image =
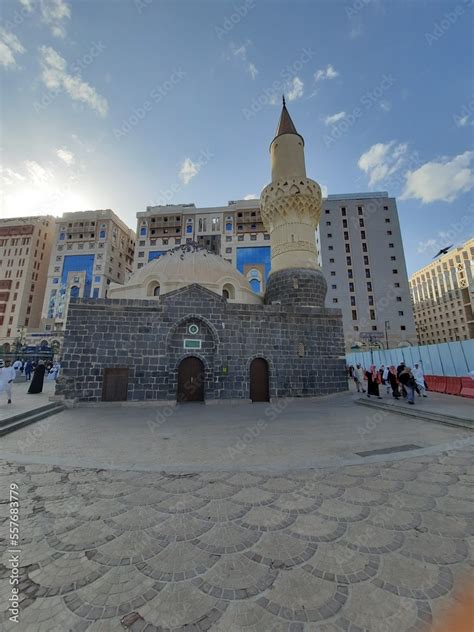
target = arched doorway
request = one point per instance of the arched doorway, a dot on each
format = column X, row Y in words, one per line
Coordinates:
column 190, row 380
column 259, row 380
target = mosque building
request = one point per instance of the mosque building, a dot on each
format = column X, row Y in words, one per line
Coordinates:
column 188, row 326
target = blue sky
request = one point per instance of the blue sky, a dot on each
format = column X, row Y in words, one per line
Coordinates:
column 128, row 103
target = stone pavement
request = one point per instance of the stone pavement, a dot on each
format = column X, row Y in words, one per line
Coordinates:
column 22, row 402
column 382, row 547
column 286, row 434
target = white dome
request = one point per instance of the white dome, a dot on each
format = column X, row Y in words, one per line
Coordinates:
column 183, row 266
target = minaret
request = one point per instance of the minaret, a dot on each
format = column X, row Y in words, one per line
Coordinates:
column 291, row 207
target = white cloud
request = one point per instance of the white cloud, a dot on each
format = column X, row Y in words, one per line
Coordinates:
column 55, row 76
column 326, row 73
column 429, row 244
column 324, row 190
column 188, row 170
column 296, row 89
column 443, row 181
column 241, row 53
column 55, row 13
column 334, row 118
column 356, row 31
column 65, row 155
column 250, row 196
column 382, row 160
column 9, row 176
column 385, row 105
column 27, row 4
column 10, row 45
column 252, row 69
column 463, row 121
column 37, row 174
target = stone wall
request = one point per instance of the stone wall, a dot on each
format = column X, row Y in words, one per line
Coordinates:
column 303, row 346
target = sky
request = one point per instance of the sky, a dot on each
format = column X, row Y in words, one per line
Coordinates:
column 125, row 104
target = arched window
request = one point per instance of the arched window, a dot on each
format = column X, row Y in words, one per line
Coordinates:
column 74, row 291
column 256, row 285
column 228, row 291
column 153, row 289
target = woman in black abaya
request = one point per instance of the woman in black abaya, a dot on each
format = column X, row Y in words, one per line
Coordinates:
column 36, row 385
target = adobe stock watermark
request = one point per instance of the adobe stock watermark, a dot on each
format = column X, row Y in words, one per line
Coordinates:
column 367, row 101
column 155, row 96
column 238, row 14
column 142, row 5
column 448, row 20
column 268, row 95
column 79, row 64
column 356, row 7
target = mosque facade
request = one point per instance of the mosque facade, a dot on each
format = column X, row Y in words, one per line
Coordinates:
column 188, row 326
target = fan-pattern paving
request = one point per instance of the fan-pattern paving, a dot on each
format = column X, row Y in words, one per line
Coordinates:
column 359, row 549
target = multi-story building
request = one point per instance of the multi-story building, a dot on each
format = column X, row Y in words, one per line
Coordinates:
column 90, row 250
column 25, row 249
column 361, row 253
column 236, row 232
column 443, row 296
column 360, row 250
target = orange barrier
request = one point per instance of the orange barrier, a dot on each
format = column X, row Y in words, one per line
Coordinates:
column 439, row 384
column 453, row 385
column 430, row 381
column 467, row 387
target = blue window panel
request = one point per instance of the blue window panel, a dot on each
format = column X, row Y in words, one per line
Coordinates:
column 97, row 279
column 255, row 285
column 62, row 236
column 189, row 228
column 228, row 226
column 55, row 280
column 79, row 263
column 154, row 254
column 102, row 234
column 95, row 293
column 74, row 291
column 143, row 231
column 254, row 256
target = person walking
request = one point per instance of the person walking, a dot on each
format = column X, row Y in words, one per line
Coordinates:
column 400, row 368
column 385, row 379
column 7, row 375
column 373, row 382
column 36, row 385
column 358, row 376
column 408, row 381
column 28, row 370
column 392, row 380
column 419, row 379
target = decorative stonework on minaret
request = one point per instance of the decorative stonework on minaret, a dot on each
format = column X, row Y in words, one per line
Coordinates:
column 291, row 208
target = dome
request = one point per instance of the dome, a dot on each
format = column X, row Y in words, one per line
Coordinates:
column 183, row 266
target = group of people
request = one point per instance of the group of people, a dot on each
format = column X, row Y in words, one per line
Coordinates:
column 401, row 381
column 34, row 372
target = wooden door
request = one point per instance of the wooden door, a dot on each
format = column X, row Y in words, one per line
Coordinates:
column 191, row 380
column 115, row 385
column 259, row 381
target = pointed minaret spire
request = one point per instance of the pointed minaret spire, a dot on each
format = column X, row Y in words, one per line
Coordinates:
column 285, row 124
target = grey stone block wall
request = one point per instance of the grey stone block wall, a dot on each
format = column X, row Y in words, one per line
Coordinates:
column 297, row 286
column 303, row 346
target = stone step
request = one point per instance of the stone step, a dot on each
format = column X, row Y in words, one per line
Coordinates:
column 414, row 411
column 31, row 416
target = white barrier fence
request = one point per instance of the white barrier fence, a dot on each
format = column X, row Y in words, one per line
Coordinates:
column 454, row 359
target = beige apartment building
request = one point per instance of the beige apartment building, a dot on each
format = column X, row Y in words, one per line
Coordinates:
column 443, row 296
column 25, row 250
column 360, row 250
column 90, row 250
